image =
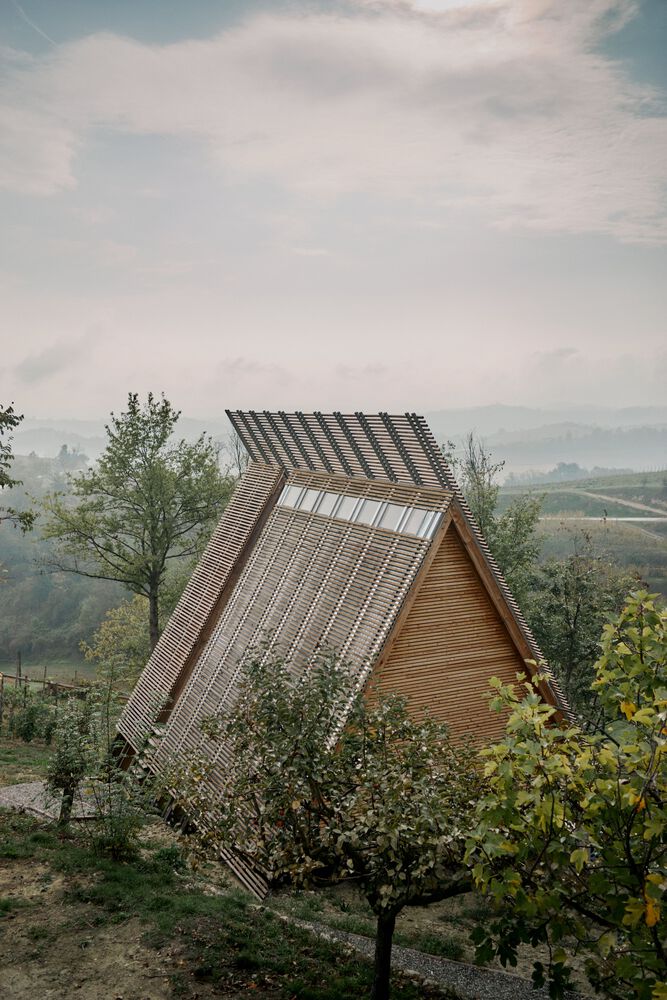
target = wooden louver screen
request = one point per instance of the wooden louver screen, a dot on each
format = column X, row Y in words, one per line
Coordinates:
column 310, row 583
column 400, row 449
column 162, row 672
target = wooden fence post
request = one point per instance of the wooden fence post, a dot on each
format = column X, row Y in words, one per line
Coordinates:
column 2, row 699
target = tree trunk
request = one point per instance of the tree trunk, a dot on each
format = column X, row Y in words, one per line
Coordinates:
column 383, row 939
column 153, row 619
column 66, row 805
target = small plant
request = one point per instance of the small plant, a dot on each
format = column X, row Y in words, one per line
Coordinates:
column 122, row 798
column 74, row 755
column 119, row 801
column 30, row 716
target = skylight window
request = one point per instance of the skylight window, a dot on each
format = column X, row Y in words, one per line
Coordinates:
column 401, row 518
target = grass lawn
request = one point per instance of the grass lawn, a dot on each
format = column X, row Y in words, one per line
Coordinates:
column 148, row 928
column 441, row 929
column 21, row 761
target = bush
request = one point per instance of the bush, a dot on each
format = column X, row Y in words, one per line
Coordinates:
column 30, row 716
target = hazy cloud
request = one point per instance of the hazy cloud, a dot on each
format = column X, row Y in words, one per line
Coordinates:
column 508, row 107
column 310, row 251
column 348, row 373
column 53, row 360
column 545, row 360
column 242, row 370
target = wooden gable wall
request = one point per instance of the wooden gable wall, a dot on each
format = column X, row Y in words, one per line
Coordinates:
column 447, row 646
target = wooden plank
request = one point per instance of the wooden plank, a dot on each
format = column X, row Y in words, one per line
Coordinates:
column 436, row 659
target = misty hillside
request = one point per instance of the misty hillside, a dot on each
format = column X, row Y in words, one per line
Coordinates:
column 632, row 438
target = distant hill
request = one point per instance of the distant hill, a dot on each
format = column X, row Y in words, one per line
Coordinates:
column 623, row 448
column 499, row 418
column 46, row 437
column 632, row 438
column 526, row 438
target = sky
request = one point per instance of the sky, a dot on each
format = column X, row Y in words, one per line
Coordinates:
column 364, row 204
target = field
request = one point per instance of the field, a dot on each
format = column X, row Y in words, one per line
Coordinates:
column 152, row 928
column 65, row 671
column 149, row 928
column 625, row 516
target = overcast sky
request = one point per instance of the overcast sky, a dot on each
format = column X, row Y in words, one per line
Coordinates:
column 398, row 204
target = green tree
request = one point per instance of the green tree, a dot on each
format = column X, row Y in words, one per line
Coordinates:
column 385, row 803
column 147, row 501
column 9, row 420
column 570, row 602
column 572, row 835
column 510, row 535
column 120, row 646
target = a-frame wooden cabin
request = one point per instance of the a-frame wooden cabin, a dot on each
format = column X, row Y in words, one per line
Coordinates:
column 345, row 532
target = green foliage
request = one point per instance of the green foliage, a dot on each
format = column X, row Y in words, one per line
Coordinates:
column 35, row 718
column 74, row 754
column 28, row 715
column 84, row 765
column 45, row 613
column 511, row 535
column 122, row 798
column 120, row 647
column 515, row 545
column 148, row 501
column 570, row 602
column 385, row 802
column 572, row 836
column 9, row 419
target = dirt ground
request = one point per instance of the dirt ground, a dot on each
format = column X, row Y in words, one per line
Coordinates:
column 47, row 950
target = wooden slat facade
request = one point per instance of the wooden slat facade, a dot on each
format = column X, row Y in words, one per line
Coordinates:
column 311, row 582
column 257, row 490
column 398, row 448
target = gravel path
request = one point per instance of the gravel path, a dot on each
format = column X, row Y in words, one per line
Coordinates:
column 470, row 982
column 33, row 797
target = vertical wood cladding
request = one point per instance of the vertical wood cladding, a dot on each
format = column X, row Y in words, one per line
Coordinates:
column 451, row 642
column 254, row 494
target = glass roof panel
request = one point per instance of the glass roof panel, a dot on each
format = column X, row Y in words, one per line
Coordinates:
column 289, row 496
column 368, row 511
column 414, row 521
column 346, row 508
column 309, row 499
column 391, row 516
column 327, row 503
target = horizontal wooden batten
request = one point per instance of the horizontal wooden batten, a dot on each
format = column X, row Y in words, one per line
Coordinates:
column 163, row 672
column 450, row 642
